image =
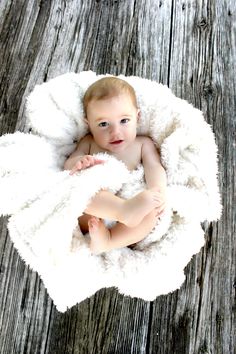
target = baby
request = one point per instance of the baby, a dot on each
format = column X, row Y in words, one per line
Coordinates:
column 112, row 115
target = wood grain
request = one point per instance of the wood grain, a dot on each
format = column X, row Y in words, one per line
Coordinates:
column 188, row 45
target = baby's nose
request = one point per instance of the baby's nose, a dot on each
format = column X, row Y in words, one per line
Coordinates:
column 114, row 130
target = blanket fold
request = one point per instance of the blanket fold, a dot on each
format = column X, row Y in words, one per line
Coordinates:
column 54, row 198
column 44, row 201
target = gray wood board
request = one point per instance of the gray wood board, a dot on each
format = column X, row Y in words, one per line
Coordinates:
column 189, row 46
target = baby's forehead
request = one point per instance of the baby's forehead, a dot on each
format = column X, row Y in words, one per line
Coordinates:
column 113, row 99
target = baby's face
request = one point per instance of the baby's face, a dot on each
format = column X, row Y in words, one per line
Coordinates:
column 113, row 122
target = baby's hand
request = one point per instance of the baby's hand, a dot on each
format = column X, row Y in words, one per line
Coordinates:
column 85, row 162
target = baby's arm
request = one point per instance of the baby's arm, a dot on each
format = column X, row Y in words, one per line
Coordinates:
column 155, row 174
column 80, row 158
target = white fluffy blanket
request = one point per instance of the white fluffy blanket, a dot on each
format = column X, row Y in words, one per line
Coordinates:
column 44, row 201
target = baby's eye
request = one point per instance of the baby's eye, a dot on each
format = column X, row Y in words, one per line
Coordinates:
column 124, row 120
column 103, row 124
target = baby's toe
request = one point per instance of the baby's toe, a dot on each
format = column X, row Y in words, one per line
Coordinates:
column 93, row 222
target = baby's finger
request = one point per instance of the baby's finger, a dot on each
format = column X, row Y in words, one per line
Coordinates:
column 93, row 161
column 98, row 161
column 163, row 210
column 158, row 201
column 86, row 162
column 158, row 196
column 73, row 171
column 161, row 213
column 90, row 161
column 76, row 168
column 160, row 209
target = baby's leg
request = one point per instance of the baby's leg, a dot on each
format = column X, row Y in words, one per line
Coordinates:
column 106, row 205
column 83, row 222
column 103, row 239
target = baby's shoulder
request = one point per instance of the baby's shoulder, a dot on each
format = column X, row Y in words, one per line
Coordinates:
column 87, row 139
column 84, row 145
column 144, row 140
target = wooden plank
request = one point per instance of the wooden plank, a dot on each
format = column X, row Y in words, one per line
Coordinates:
column 63, row 37
column 190, row 46
column 200, row 318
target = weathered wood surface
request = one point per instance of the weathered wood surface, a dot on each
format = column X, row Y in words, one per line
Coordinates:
column 188, row 45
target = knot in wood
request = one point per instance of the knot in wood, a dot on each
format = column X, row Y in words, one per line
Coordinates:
column 208, row 91
column 203, row 24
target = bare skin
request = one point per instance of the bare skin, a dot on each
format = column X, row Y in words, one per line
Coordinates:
column 129, row 212
column 115, row 133
column 104, row 239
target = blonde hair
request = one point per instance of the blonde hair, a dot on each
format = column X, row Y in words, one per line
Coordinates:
column 108, row 87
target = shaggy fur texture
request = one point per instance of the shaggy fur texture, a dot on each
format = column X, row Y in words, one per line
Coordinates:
column 44, row 202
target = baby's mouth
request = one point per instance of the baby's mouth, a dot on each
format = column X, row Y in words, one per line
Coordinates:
column 116, row 142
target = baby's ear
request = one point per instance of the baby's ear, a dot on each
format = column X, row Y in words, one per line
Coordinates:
column 138, row 114
column 85, row 120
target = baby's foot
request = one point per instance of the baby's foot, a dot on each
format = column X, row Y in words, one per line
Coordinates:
column 99, row 234
column 136, row 208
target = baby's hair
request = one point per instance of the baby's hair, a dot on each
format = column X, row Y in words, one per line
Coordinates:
column 108, row 87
